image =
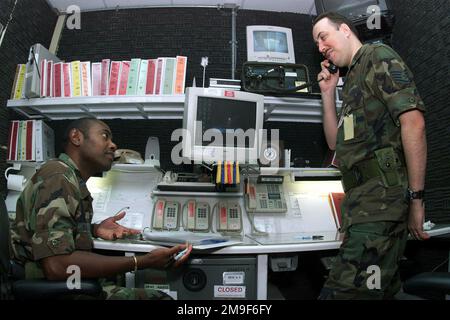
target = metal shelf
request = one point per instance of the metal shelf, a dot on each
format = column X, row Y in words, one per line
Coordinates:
column 289, row 109
column 303, row 172
column 102, row 107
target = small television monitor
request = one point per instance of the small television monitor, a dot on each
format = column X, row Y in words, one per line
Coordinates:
column 222, row 125
column 270, row 44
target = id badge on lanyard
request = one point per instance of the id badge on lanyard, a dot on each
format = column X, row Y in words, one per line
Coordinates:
column 347, row 120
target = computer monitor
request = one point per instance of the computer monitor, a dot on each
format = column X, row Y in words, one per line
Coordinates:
column 222, row 125
column 270, row 44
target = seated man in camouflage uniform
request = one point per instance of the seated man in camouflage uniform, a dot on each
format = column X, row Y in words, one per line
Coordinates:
column 380, row 142
column 53, row 229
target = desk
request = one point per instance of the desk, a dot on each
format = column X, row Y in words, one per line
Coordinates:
column 259, row 246
column 256, row 246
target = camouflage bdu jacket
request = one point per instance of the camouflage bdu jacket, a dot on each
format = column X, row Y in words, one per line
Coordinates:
column 53, row 215
column 379, row 87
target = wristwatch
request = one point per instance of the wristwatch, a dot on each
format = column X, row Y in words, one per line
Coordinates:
column 419, row 194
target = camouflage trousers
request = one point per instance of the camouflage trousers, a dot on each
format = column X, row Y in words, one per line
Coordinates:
column 111, row 291
column 114, row 292
column 367, row 247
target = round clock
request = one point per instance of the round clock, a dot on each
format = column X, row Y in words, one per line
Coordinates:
column 270, row 154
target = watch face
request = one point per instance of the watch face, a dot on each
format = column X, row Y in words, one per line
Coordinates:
column 415, row 194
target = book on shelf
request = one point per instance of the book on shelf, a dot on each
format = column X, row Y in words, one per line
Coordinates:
column 96, row 78
column 17, row 91
column 113, row 88
column 105, row 77
column 30, row 140
column 43, row 75
column 76, row 78
column 22, row 140
column 16, row 76
column 48, row 78
column 45, row 141
column 67, row 80
column 57, row 79
column 123, row 81
column 180, row 76
column 133, row 76
column 30, row 145
column 86, row 78
column 336, row 199
column 151, row 76
column 158, row 76
column 168, row 76
column 142, row 79
column 12, row 140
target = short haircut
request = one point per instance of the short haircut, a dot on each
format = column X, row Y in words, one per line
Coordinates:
column 82, row 124
column 337, row 19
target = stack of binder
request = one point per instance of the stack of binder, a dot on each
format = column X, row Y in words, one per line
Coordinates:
column 30, row 140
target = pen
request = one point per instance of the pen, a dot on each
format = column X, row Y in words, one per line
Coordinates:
column 175, row 258
column 180, row 254
column 124, row 208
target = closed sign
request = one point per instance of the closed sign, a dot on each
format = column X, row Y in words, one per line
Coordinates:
column 229, row 291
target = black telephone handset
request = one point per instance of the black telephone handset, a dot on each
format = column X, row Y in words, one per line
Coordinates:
column 332, row 68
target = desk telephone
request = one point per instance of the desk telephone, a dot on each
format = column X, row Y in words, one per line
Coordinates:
column 128, row 156
column 165, row 215
column 265, row 198
column 198, row 214
column 229, row 216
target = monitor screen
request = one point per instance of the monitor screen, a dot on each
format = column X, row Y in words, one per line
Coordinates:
column 225, row 115
column 270, row 44
column 270, row 41
column 222, row 125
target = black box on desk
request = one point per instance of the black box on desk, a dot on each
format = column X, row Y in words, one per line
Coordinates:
column 274, row 78
column 230, row 84
column 206, row 277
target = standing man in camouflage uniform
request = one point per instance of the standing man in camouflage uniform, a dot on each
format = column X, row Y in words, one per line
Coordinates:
column 380, row 142
column 53, row 229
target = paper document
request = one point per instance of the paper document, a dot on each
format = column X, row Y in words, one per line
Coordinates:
column 133, row 220
column 198, row 240
column 316, row 214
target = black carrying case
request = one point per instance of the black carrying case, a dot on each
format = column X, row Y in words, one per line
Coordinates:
column 274, row 78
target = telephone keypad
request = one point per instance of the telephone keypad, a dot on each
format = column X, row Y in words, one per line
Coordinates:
column 234, row 213
column 171, row 212
column 202, row 213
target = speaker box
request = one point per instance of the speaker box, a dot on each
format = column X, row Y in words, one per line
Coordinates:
column 152, row 151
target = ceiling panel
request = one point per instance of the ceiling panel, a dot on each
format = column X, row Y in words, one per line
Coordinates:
column 205, row 2
column 62, row 5
column 136, row 3
column 303, row 6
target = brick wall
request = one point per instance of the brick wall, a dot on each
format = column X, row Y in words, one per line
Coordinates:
column 194, row 32
column 33, row 22
column 420, row 35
